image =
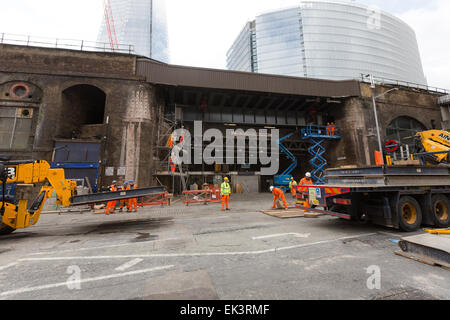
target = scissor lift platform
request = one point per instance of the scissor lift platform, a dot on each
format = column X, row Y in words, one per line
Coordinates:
column 316, row 136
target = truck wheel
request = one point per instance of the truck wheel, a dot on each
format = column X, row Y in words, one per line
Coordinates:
column 410, row 214
column 440, row 210
column 5, row 229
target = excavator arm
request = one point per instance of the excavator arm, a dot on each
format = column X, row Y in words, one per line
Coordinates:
column 31, row 179
column 37, row 180
column 435, row 144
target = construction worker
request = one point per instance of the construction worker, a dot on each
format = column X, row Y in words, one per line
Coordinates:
column 132, row 203
column 307, row 181
column 293, row 187
column 173, row 163
column 278, row 195
column 170, row 141
column 123, row 203
column 111, row 206
column 331, row 129
column 225, row 191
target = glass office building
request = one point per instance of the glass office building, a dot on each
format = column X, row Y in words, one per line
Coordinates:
column 141, row 23
column 329, row 40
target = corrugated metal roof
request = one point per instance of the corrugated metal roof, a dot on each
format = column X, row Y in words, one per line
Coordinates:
column 173, row 75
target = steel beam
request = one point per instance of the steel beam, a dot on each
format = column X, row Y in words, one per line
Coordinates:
column 117, row 195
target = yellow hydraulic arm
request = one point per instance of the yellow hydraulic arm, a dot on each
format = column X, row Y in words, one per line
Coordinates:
column 435, row 141
column 30, row 177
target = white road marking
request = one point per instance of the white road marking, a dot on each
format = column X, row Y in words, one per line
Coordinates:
column 204, row 254
column 129, row 264
column 8, row 266
column 63, row 284
column 297, row 235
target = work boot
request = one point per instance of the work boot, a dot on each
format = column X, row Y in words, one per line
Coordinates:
column 228, row 209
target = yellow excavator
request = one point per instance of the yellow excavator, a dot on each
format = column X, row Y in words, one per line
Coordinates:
column 433, row 147
column 23, row 181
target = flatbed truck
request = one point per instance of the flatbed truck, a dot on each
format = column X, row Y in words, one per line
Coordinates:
column 401, row 197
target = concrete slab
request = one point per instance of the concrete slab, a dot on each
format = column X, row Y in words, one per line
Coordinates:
column 438, row 242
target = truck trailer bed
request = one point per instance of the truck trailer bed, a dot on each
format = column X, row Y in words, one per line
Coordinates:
column 389, row 176
column 402, row 197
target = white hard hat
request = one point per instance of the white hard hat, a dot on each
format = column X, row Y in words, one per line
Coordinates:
column 271, row 188
column 308, row 174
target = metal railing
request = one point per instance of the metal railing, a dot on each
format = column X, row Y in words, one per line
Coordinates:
column 81, row 45
column 410, row 85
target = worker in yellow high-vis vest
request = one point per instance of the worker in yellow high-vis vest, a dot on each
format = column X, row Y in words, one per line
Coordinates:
column 293, row 187
column 225, row 191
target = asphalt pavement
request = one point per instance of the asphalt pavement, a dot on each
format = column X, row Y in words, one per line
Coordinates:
column 197, row 252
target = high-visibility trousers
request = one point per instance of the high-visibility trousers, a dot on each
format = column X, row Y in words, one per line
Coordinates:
column 331, row 130
column 225, row 201
column 110, row 207
column 306, row 203
column 132, row 204
column 293, row 191
column 282, row 198
column 123, row 203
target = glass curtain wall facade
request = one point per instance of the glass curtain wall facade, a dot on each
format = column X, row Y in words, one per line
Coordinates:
column 335, row 40
column 243, row 54
column 141, row 23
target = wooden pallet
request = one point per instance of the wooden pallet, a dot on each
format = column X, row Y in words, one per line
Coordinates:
column 291, row 213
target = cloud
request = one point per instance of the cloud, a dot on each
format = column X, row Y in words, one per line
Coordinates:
column 78, row 19
column 202, row 31
column 432, row 28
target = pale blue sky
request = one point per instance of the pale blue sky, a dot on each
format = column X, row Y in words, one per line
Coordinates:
column 201, row 31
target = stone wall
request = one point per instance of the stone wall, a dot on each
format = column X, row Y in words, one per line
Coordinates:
column 129, row 112
column 65, row 62
column 357, row 121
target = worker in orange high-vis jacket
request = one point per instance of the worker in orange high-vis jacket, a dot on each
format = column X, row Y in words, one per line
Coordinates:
column 307, row 181
column 110, row 207
column 132, row 203
column 278, row 195
column 225, row 191
column 123, row 203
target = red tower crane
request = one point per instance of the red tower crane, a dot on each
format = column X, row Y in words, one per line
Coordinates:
column 109, row 22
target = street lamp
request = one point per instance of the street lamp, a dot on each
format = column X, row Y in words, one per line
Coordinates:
column 374, row 98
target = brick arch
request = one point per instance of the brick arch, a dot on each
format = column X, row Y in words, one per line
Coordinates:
column 74, row 83
column 402, row 128
column 81, row 104
column 397, row 116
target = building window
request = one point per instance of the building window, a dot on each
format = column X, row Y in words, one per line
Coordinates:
column 15, row 127
column 403, row 130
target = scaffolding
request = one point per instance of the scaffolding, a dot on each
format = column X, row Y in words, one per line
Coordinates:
column 317, row 136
